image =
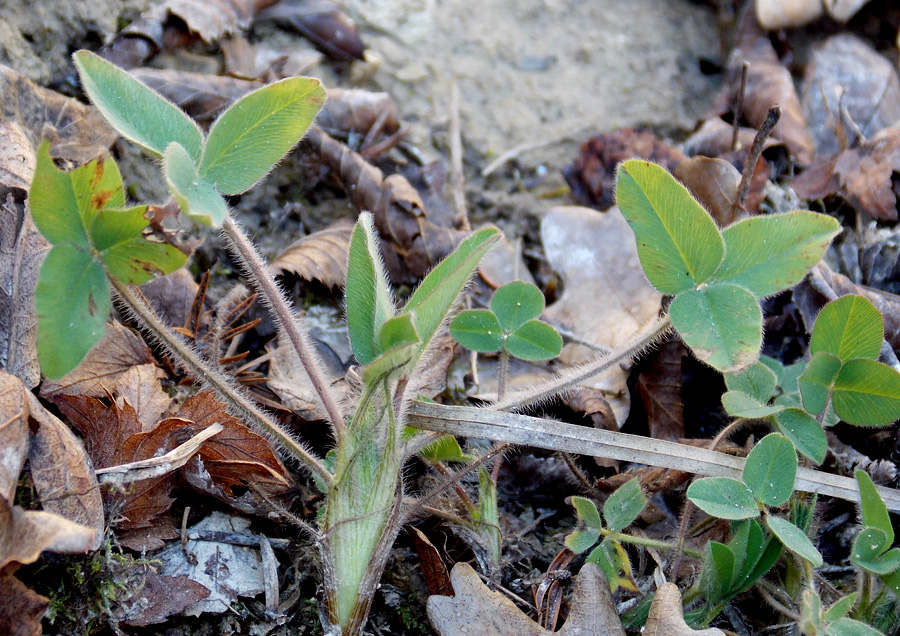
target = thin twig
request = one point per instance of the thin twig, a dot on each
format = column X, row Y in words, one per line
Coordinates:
column 262, row 279
column 739, row 106
column 457, row 177
column 756, row 149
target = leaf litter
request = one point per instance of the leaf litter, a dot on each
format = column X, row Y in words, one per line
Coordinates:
column 127, row 405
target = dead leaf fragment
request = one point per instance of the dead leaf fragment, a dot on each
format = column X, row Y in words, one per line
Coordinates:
column 24, row 534
column 16, row 156
column 22, row 608
column 210, row 19
column 323, row 23
column 172, row 296
column 606, row 298
column 477, row 609
column 22, row 250
column 62, row 474
column 667, row 616
column 118, row 351
column 659, row 387
column 140, row 387
column 437, row 578
column 82, row 133
column 160, row 597
column 846, row 72
column 321, row 256
column 14, row 434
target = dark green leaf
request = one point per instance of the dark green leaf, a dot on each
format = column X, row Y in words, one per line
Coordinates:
column 869, row 552
column 766, row 254
column 841, row 607
column 867, row 393
column 72, row 302
column 717, row 573
column 723, row 497
column 874, row 511
column 771, row 469
column 136, row 111
column 850, row 627
column 52, row 202
column 366, row 294
column 477, row 330
column 535, row 340
column 739, row 404
column 794, row 539
column 849, row 327
column 721, row 323
column 678, row 244
column 444, row 449
column 756, row 380
column 257, row 131
column 398, row 331
column 516, row 303
column 623, row 506
column 804, row 431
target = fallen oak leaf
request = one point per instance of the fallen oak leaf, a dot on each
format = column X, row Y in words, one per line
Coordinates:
column 667, row 616
column 489, row 613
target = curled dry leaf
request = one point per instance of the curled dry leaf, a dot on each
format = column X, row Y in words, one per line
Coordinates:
column 847, row 73
column 667, row 616
column 477, row 609
column 606, row 298
column 24, row 534
column 768, row 83
column 715, row 183
column 659, row 387
column 118, row 351
column 355, row 110
column 323, row 23
column 81, row 132
column 321, row 256
column 592, row 176
column 16, row 156
column 63, row 475
column 257, row 61
column 418, row 242
column 210, row 19
column 862, row 175
column 434, row 570
column 14, row 433
column 22, row 250
column 22, row 608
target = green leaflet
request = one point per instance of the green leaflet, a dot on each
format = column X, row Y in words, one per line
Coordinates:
column 723, row 497
column 766, row 254
column 817, row 381
column 794, row 539
column 756, row 380
column 366, row 294
column 874, row 511
column 721, row 323
column 516, row 303
column 771, row 469
column 849, row 327
column 623, row 506
column 678, row 243
column 196, row 196
column 804, row 431
column 257, row 131
column 867, row 393
column 135, row 110
column 535, row 340
column 478, row 330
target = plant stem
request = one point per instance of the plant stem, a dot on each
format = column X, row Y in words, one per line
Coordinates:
column 547, row 390
column 260, row 277
column 226, row 390
column 502, row 373
column 648, row 543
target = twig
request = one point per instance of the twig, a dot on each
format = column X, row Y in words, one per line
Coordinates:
column 532, row 431
column 261, row 278
column 533, row 145
column 457, row 176
column 756, row 149
column 739, row 106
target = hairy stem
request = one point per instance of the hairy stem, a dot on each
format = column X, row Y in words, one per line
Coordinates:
column 566, row 381
column 648, row 543
column 210, row 377
column 260, row 277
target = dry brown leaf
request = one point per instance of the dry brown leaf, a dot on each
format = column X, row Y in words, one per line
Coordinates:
column 768, row 83
column 172, row 296
column 503, row 264
column 81, row 132
column 846, row 72
column 22, row 250
column 714, row 137
column 606, row 298
column 353, row 110
column 24, row 534
column 419, row 242
column 210, row 19
column 667, row 616
column 237, row 454
column 659, row 387
column 592, row 176
column 477, row 609
column 16, row 156
column 103, row 427
column 201, row 95
column 62, row 474
column 118, row 351
column 140, row 387
column 161, row 596
column 14, row 433
column 434, row 570
column 321, row 256
column 257, row 61
column 22, row 608
column 323, row 23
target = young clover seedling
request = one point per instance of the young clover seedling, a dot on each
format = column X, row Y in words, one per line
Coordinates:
column 872, row 549
column 510, row 324
column 242, row 146
column 717, row 278
column 82, row 214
